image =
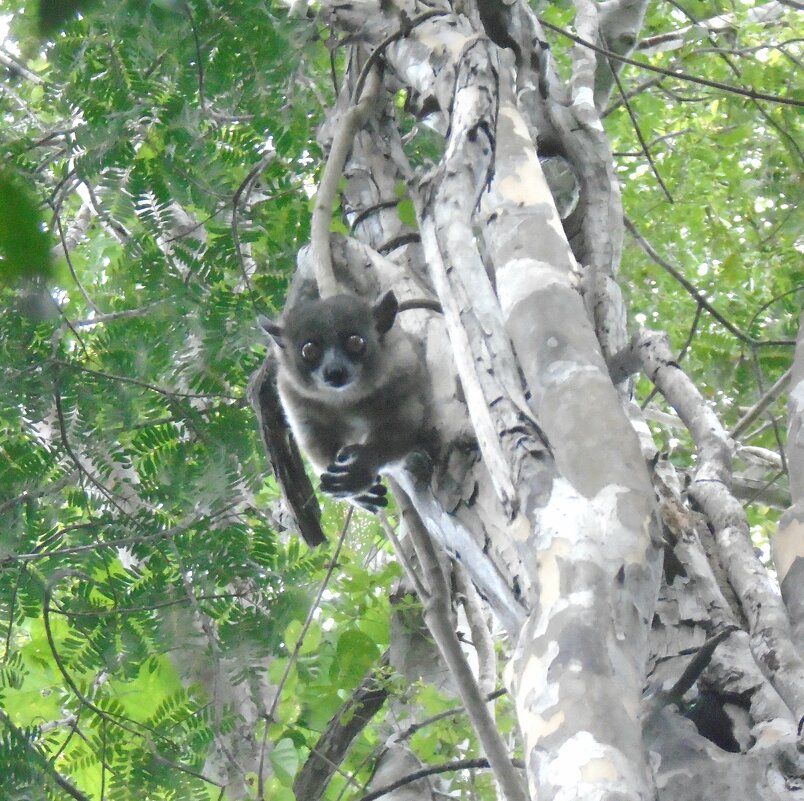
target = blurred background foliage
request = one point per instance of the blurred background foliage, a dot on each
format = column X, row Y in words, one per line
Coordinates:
column 171, row 147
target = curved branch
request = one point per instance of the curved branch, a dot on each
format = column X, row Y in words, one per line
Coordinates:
column 696, row 294
column 771, row 641
column 405, row 27
column 336, row 740
column 681, row 76
column 431, row 770
column 352, row 121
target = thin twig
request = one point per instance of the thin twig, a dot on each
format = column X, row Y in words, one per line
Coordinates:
column 168, row 393
column 696, row 293
column 635, row 124
column 681, row 76
column 448, row 713
column 199, row 63
column 269, row 715
column 245, row 188
column 120, row 315
column 762, row 404
column 432, row 770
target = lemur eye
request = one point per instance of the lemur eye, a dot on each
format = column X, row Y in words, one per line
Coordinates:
column 355, row 345
column 311, row 352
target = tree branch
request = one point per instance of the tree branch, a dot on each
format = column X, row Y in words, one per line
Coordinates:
column 349, row 124
column 431, row 770
column 439, row 621
column 696, row 294
column 762, row 404
column 478, row 630
column 336, row 740
column 681, row 76
column 771, row 641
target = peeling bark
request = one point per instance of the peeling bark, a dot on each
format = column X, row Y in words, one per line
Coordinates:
column 770, row 629
column 788, row 544
column 547, row 487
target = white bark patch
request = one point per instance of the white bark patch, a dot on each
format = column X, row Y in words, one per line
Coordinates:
column 770, row 733
column 519, row 278
column 519, row 528
column 520, row 129
column 550, row 573
column 547, row 725
column 795, row 402
column 583, row 529
column 787, row 545
column 421, row 74
column 584, row 102
column 563, row 370
column 525, row 184
column 584, row 97
column 581, row 767
column 541, row 694
column 463, row 118
column 443, row 40
column 514, row 190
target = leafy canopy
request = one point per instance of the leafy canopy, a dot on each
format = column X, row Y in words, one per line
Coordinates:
column 175, row 144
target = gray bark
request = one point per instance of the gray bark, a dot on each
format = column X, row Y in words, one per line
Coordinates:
column 788, row 544
column 551, row 509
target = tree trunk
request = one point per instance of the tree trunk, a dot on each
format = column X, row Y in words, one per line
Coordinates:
column 648, row 656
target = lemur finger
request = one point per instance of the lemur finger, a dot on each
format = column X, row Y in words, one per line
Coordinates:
column 349, row 454
column 371, row 503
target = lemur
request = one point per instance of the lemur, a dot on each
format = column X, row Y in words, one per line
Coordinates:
column 354, row 391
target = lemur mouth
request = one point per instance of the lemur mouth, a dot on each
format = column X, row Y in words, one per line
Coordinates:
column 339, row 385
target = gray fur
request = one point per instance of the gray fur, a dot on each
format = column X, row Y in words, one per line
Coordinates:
column 353, row 414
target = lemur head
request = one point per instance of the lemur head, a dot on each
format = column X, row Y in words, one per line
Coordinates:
column 336, row 343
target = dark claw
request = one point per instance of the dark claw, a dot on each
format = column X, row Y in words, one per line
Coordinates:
column 348, row 455
column 373, row 500
column 340, row 484
column 348, row 475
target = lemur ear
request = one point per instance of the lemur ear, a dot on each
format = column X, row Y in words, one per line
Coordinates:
column 384, row 311
column 272, row 328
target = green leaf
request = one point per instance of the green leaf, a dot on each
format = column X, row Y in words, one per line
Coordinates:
column 284, row 759
column 407, row 213
column 356, row 652
column 274, row 791
column 24, row 246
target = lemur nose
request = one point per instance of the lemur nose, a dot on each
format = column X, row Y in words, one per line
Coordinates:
column 336, row 376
